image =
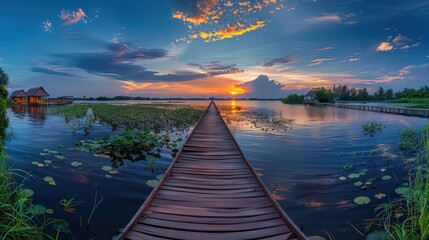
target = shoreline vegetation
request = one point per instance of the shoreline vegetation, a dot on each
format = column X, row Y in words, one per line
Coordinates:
column 407, row 217
column 408, row 97
column 17, row 220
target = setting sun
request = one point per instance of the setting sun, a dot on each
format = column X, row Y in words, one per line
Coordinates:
column 236, row 91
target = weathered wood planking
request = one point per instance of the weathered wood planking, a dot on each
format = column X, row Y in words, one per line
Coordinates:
column 211, row 192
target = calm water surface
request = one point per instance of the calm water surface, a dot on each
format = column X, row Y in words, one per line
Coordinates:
column 300, row 166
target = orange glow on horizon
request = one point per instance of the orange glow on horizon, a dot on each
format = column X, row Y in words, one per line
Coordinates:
column 213, row 86
column 237, row 91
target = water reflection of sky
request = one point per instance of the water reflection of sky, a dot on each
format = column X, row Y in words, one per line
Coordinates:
column 300, row 166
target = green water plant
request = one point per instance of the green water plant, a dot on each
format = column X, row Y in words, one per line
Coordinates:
column 407, row 217
column 371, row 128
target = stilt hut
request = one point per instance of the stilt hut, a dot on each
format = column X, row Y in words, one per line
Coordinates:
column 19, row 96
column 37, row 96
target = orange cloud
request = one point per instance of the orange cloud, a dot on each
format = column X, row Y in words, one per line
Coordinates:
column 384, row 46
column 72, row 17
column 230, row 31
column 202, row 16
column 204, row 22
column 210, row 86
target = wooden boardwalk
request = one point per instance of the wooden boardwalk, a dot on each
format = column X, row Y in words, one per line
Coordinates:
column 210, row 192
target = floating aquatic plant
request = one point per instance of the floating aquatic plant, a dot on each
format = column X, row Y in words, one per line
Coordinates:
column 362, row 200
column 371, row 128
column 386, row 177
column 27, row 192
column 354, row 175
column 152, row 183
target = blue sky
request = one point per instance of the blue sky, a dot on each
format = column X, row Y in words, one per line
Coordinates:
column 213, row 47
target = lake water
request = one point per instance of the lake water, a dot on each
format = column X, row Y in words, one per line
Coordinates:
column 301, row 166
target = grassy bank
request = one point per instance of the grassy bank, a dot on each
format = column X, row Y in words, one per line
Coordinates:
column 17, row 221
column 408, row 217
column 414, row 102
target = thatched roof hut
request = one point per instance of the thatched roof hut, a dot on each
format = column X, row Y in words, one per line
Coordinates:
column 37, row 92
column 37, row 96
column 19, row 96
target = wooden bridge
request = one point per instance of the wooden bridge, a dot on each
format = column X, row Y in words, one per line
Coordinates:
column 211, row 192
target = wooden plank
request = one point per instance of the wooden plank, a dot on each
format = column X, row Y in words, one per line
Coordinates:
column 212, row 220
column 212, row 227
column 210, row 191
column 196, row 235
column 206, row 212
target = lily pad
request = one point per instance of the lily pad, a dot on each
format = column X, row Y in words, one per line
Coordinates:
column 27, row 192
column 47, row 161
column 342, row 178
column 152, row 183
column 378, row 235
column 52, row 183
column 362, row 173
column 401, row 191
column 362, row 200
column 386, row 177
column 106, row 168
column 371, row 179
column 364, row 170
column 405, row 184
column 34, row 163
column 358, row 183
column 60, row 157
column 61, row 226
column 76, row 164
column 40, row 165
column 49, row 211
column 37, row 209
column 48, row 179
column 159, row 177
column 354, row 175
column 108, row 176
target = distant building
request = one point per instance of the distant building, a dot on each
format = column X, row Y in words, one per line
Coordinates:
column 37, row 96
column 310, row 97
column 19, row 96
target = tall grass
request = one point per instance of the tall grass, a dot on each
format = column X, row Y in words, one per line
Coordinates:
column 408, row 218
column 16, row 219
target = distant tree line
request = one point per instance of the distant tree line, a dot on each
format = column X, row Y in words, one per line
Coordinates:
column 344, row 93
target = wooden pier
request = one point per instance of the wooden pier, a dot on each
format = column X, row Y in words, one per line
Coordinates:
column 211, row 192
column 416, row 112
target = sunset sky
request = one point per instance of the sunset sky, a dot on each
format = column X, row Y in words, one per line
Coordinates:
column 193, row 48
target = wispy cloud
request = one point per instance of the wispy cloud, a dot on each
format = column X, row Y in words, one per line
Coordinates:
column 52, row 71
column 349, row 18
column 320, row 61
column 217, row 67
column 230, row 31
column 46, row 26
column 280, row 60
column 399, row 42
column 214, row 20
column 325, row 48
column 70, row 17
column 326, row 18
